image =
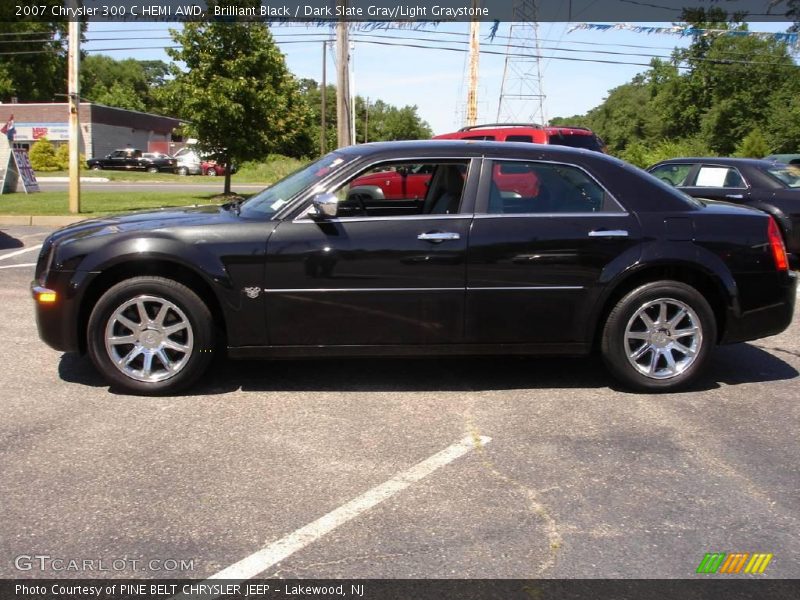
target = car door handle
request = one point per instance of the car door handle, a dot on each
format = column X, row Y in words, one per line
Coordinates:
column 439, row 236
column 734, row 196
column 608, row 233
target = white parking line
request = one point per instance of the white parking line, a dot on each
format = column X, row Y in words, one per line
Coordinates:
column 21, row 251
column 260, row 561
column 18, row 266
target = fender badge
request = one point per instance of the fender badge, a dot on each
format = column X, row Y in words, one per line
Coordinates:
column 252, row 292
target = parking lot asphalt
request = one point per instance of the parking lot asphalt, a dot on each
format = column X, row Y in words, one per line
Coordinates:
column 563, row 475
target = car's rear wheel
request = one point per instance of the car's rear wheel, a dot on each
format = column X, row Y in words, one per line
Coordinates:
column 659, row 336
column 152, row 169
column 183, row 171
column 96, row 168
column 150, row 335
column 211, row 172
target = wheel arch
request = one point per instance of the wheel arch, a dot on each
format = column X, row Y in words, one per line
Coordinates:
column 154, row 267
column 713, row 289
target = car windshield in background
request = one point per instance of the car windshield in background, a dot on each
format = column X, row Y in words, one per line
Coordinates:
column 788, row 175
column 272, row 199
column 588, row 142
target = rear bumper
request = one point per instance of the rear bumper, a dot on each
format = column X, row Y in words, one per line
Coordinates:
column 764, row 321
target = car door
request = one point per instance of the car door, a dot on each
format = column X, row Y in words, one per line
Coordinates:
column 388, row 275
column 116, row 160
column 718, row 182
column 535, row 263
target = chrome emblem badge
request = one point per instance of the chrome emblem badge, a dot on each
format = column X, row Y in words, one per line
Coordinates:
column 252, row 292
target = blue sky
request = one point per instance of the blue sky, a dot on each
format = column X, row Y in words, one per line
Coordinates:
column 433, row 79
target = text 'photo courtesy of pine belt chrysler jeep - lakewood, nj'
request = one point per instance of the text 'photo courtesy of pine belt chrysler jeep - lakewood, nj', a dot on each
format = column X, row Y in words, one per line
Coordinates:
column 506, row 248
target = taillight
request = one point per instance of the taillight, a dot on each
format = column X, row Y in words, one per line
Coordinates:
column 777, row 247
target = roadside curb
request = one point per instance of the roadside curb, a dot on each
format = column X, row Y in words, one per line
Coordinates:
column 41, row 220
column 41, row 179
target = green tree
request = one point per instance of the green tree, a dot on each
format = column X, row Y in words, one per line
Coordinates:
column 237, row 95
column 754, row 145
column 33, row 65
column 43, row 156
column 128, row 83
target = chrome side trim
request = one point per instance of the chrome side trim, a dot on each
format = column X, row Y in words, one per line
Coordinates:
column 303, row 218
column 550, row 215
column 418, row 289
column 526, row 288
column 323, row 290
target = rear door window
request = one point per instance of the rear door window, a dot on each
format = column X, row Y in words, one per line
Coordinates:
column 718, row 176
column 521, row 187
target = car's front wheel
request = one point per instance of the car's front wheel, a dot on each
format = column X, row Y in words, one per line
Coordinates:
column 182, row 171
column 96, row 168
column 659, row 336
column 150, row 335
column 152, row 169
column 211, row 172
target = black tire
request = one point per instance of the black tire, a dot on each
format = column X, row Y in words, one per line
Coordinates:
column 152, row 169
column 190, row 315
column 652, row 371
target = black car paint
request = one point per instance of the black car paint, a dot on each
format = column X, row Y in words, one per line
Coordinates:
column 763, row 192
column 369, row 286
column 131, row 160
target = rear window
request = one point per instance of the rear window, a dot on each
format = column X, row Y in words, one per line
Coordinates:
column 788, row 175
column 574, row 140
column 519, row 138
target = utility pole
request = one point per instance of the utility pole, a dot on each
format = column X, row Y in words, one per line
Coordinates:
column 343, row 127
column 474, row 54
column 74, row 101
column 366, row 121
column 324, row 125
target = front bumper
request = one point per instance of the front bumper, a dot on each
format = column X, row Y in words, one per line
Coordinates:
column 57, row 320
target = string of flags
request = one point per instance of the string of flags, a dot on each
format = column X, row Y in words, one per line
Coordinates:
column 789, row 38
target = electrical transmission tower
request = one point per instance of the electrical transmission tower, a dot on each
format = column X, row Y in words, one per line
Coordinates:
column 521, row 93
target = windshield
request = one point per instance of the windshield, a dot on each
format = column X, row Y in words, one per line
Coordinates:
column 272, row 199
column 789, row 175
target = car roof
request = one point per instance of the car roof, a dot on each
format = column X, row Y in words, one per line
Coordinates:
column 471, row 148
column 720, row 160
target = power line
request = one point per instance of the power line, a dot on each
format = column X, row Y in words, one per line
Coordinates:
column 363, row 38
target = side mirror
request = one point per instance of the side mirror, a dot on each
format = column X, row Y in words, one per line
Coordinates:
column 326, row 205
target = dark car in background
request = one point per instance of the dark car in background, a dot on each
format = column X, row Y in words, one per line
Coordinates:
column 131, row 159
column 789, row 159
column 770, row 186
column 594, row 255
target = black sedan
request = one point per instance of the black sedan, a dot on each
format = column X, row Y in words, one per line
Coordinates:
column 770, row 186
column 514, row 249
column 131, row 159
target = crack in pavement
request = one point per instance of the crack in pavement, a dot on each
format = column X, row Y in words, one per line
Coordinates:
column 538, row 508
column 777, row 349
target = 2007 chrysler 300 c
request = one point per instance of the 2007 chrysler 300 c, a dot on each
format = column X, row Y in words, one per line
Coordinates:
column 502, row 248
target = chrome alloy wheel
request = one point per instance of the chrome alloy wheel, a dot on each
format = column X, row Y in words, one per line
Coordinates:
column 149, row 339
column 663, row 338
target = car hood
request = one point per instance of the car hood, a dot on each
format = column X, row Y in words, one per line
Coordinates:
column 145, row 221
